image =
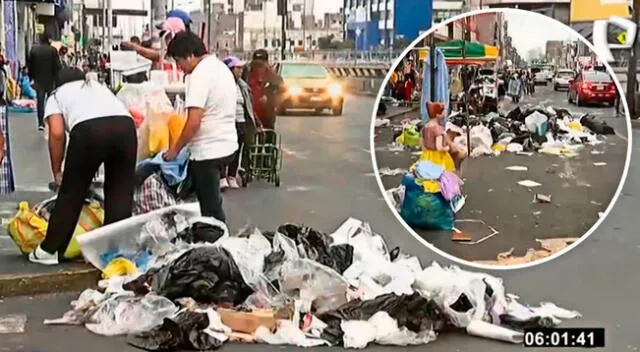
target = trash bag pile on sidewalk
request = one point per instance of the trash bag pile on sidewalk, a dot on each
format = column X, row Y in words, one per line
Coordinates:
column 534, row 129
column 199, row 287
column 522, row 130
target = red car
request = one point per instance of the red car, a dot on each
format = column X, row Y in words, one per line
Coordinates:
column 592, row 87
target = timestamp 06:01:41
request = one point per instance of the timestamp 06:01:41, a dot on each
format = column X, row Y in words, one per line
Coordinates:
column 568, row 337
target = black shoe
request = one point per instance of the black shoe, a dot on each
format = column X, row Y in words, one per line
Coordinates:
column 41, row 128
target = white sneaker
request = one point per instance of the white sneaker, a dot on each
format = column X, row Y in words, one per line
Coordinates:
column 233, row 183
column 39, row 256
column 224, row 183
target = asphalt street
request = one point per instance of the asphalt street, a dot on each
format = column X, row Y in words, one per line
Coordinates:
column 579, row 190
column 327, row 177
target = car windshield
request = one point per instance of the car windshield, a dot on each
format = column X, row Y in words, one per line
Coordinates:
column 596, row 76
column 303, row 71
column 486, row 72
column 535, row 70
column 565, row 74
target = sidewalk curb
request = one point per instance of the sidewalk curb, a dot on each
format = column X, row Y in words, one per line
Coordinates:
column 400, row 113
column 12, row 285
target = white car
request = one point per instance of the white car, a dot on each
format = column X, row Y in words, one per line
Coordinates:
column 562, row 78
column 541, row 76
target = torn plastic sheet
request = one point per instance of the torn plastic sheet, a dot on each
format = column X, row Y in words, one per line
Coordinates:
column 288, row 334
column 493, row 231
column 122, row 236
column 382, row 330
column 494, row 332
column 385, row 171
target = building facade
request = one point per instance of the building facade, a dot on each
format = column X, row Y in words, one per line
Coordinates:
column 556, row 9
column 375, row 24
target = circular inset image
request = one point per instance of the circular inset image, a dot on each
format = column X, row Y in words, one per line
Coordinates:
column 501, row 140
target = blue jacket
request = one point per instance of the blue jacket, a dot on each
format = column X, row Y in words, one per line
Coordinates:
column 441, row 81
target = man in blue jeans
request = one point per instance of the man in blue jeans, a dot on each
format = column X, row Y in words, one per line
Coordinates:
column 210, row 130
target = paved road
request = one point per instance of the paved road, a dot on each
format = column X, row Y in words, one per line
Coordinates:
column 324, row 182
column 578, row 189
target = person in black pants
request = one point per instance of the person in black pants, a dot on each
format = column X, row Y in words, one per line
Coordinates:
column 210, row 130
column 246, row 124
column 101, row 131
column 43, row 64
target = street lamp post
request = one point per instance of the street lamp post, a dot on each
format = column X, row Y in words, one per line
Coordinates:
column 632, row 70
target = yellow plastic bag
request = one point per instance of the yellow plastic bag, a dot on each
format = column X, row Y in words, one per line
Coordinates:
column 27, row 229
column 119, row 267
column 175, row 124
column 158, row 131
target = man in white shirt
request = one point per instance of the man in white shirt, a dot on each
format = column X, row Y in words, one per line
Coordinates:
column 210, row 130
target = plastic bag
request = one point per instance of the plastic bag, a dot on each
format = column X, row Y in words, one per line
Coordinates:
column 175, row 124
column 414, row 312
column 314, row 284
column 124, row 314
column 158, row 131
column 429, row 211
column 27, row 229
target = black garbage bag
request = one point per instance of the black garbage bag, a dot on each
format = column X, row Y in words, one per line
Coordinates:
column 182, row 332
column 515, row 323
column 317, row 246
column 498, row 127
column 206, row 274
column 201, row 232
column 515, row 114
column 562, row 113
column 414, row 312
column 382, row 109
column 596, row 125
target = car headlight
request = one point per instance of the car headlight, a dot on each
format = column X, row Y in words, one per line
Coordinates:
column 335, row 90
column 295, row 90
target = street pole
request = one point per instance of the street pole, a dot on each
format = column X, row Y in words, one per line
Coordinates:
column 465, row 33
column 631, row 74
column 104, row 25
column 207, row 6
column 283, row 11
column 110, row 22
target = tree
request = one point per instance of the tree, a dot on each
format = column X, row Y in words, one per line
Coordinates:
column 327, row 43
column 400, row 43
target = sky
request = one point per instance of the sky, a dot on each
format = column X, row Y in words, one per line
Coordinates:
column 531, row 32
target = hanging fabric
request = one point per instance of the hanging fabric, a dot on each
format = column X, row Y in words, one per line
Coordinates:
column 441, row 83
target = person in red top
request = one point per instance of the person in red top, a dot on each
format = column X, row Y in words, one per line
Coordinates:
column 266, row 88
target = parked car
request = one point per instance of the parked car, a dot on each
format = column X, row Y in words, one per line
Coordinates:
column 310, row 86
column 592, row 87
column 561, row 79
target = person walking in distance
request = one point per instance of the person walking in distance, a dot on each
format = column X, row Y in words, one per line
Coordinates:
column 210, row 131
column 266, row 86
column 43, row 65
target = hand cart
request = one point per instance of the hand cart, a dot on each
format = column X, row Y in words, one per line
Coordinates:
column 265, row 158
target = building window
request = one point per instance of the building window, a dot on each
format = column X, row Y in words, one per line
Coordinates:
column 314, row 42
column 266, row 43
column 299, row 42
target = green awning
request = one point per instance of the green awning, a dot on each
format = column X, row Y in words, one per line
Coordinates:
column 453, row 49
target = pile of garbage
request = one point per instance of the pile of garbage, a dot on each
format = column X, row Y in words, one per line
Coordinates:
column 522, row 130
column 182, row 282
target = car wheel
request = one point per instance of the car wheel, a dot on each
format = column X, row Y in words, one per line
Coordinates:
column 555, row 87
column 578, row 102
column 569, row 97
column 337, row 111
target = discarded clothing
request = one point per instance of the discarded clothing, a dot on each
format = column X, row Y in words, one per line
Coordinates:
column 450, row 185
column 425, row 169
column 173, row 172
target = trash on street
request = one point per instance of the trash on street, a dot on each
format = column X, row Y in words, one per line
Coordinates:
column 293, row 286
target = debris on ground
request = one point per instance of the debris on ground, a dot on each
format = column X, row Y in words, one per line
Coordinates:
column 12, row 323
column 529, row 183
column 293, row 286
column 385, row 171
column 548, row 247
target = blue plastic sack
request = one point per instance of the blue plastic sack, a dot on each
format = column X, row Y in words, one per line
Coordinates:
column 422, row 210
